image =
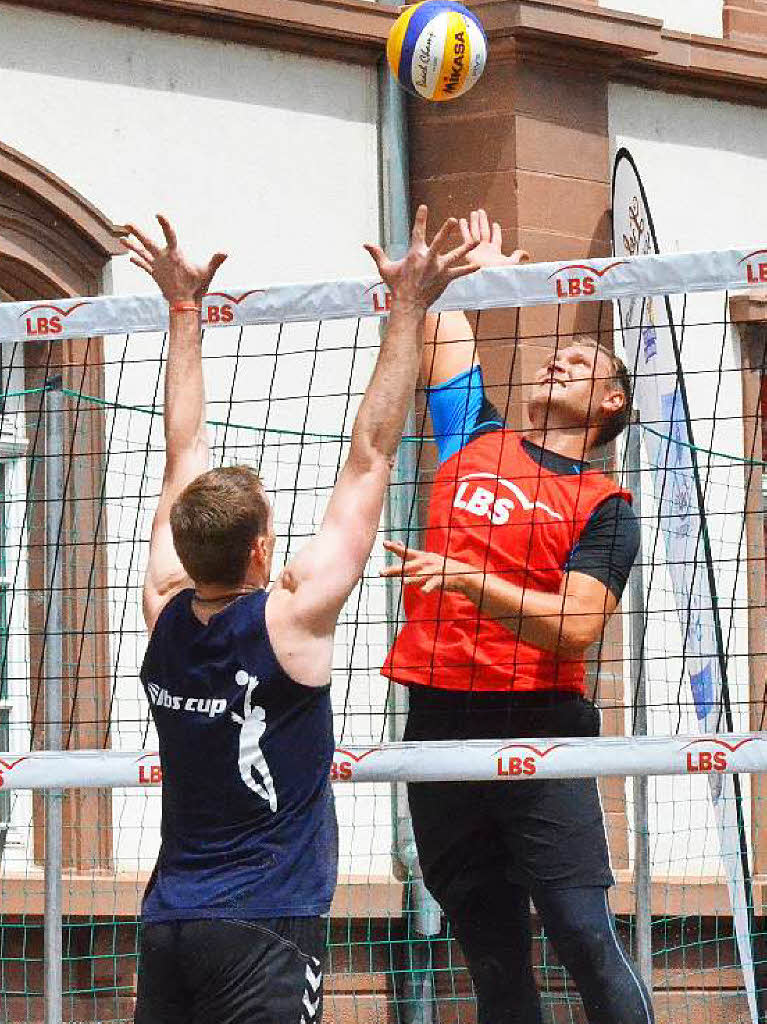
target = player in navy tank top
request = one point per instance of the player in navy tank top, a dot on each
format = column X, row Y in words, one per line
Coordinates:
column 238, row 677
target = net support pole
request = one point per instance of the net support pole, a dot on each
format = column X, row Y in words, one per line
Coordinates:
column 402, row 511
column 642, row 872
column 53, row 662
column 757, row 996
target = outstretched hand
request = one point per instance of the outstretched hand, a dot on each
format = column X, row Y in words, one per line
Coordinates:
column 423, row 273
column 488, row 239
column 425, row 569
column 177, row 278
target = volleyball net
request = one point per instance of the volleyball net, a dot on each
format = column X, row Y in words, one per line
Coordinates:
column 679, row 673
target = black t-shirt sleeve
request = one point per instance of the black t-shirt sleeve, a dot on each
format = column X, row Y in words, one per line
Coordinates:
column 608, row 545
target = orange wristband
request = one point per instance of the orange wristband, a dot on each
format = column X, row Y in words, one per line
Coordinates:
column 185, row 307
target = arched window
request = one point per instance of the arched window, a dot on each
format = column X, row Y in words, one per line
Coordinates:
column 53, row 244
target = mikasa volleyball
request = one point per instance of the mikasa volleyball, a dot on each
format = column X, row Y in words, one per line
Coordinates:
column 437, row 49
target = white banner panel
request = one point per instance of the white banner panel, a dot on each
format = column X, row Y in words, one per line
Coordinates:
column 648, row 334
column 497, row 287
column 514, row 760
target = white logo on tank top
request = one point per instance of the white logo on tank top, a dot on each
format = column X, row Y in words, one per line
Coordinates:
column 254, row 771
column 487, row 504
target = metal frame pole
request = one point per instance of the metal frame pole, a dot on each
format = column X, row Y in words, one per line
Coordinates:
column 418, row 1006
column 642, row 871
column 53, row 641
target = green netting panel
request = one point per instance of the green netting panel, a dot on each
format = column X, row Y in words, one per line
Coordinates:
column 283, row 400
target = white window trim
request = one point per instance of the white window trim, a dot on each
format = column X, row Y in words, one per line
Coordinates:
column 13, row 452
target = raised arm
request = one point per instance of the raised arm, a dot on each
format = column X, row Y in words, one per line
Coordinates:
column 310, row 592
column 450, row 346
column 186, row 443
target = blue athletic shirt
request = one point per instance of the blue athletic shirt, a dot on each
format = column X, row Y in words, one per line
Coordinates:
column 608, row 545
column 248, row 819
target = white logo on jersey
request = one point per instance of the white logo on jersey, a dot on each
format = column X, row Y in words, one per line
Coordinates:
column 485, row 503
column 210, row 706
column 253, row 727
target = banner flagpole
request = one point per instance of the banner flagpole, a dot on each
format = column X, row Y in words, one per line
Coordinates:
column 656, row 347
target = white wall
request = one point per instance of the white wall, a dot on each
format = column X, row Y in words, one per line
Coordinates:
column 699, row 160
column 271, row 157
column 699, row 17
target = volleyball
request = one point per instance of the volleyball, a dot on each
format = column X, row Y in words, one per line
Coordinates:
column 437, row 49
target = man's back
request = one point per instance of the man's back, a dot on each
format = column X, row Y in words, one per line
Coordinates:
column 249, row 825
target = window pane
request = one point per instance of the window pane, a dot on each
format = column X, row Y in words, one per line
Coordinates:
column 5, row 797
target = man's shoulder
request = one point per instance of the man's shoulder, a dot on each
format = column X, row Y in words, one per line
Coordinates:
column 301, row 654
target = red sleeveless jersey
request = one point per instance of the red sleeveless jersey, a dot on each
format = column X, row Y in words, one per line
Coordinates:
column 494, row 507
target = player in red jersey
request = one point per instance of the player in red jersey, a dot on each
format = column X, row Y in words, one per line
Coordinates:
column 526, row 553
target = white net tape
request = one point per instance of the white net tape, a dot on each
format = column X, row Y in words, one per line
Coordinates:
column 442, row 761
column 494, row 288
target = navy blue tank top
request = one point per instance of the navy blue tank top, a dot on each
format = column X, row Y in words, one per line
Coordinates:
column 248, row 818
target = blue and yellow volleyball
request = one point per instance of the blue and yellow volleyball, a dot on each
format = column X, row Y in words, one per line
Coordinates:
column 437, row 49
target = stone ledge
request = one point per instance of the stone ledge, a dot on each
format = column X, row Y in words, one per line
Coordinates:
column 106, row 896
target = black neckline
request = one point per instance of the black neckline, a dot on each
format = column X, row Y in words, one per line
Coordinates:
column 553, row 461
column 204, row 625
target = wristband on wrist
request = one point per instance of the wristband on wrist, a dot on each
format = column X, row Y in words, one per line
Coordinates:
column 185, row 307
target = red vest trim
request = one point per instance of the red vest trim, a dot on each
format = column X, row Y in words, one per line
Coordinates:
column 493, row 505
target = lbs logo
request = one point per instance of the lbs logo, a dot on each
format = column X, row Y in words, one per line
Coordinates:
column 342, row 768
column 150, row 775
column 46, row 321
column 488, row 504
column 706, row 761
column 514, row 766
column 713, row 760
column 756, row 267
column 8, row 766
column 580, row 280
column 222, row 312
column 380, row 298
column 341, row 771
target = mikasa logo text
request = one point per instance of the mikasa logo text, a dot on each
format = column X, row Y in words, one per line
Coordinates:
column 209, row 706
column 451, row 83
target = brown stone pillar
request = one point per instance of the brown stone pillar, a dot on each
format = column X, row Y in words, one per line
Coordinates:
column 530, row 144
column 744, row 19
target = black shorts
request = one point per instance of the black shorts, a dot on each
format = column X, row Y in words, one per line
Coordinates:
column 534, row 833
column 231, row 972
